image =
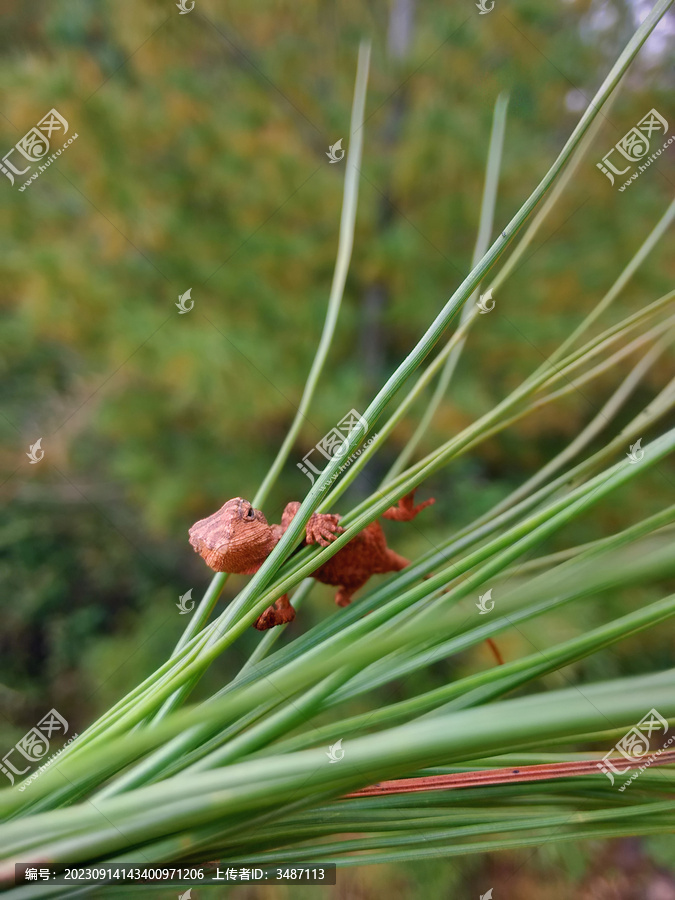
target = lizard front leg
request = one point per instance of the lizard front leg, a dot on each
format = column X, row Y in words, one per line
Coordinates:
column 406, row 510
column 279, row 614
column 281, row 610
column 322, row 528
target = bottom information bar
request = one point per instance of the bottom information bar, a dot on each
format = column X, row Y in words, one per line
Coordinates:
column 213, row 872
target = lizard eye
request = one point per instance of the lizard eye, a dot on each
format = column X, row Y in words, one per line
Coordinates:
column 251, row 513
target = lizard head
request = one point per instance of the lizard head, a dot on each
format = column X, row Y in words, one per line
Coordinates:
column 235, row 539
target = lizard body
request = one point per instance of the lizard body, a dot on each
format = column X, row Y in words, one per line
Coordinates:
column 238, row 539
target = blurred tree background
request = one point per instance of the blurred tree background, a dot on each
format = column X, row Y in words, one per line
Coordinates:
column 201, row 163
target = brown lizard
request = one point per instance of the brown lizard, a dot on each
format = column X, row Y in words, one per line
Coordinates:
column 238, row 539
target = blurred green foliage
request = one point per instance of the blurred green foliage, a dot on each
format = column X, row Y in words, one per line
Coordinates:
column 201, row 163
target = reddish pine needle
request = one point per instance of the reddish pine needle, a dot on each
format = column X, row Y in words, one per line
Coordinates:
column 497, row 776
column 495, row 649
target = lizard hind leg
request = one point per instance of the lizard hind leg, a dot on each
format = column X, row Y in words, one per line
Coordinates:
column 279, row 614
column 394, row 562
column 344, row 596
column 347, row 591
